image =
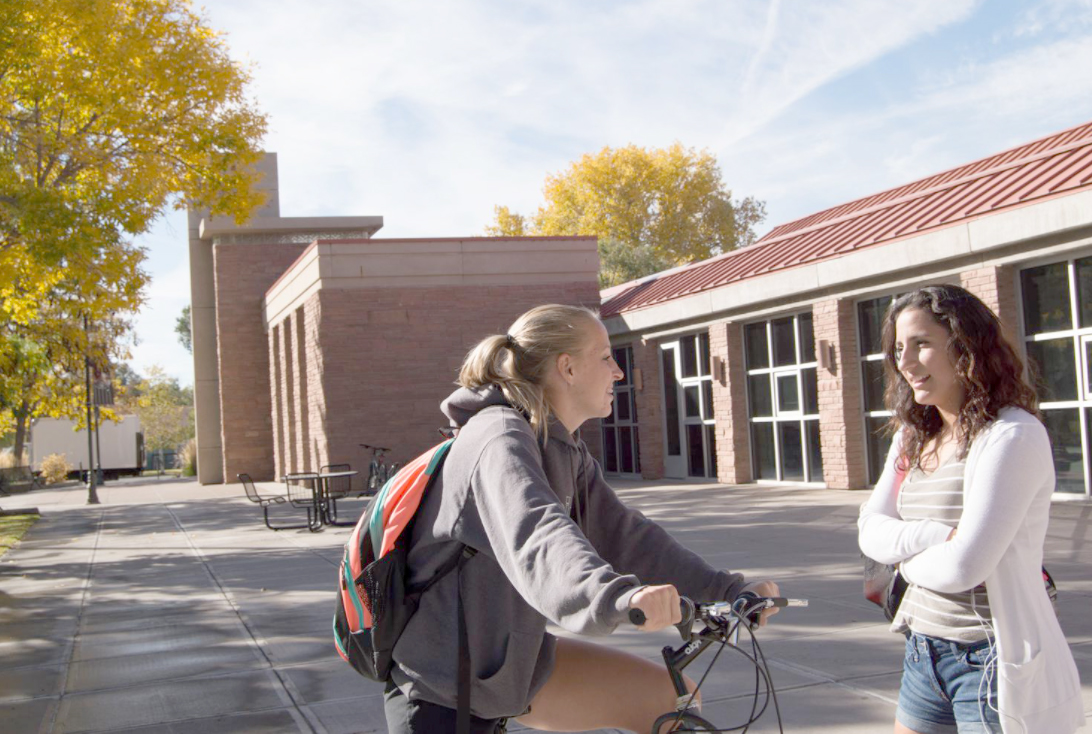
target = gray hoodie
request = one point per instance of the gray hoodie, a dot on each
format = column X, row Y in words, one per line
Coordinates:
column 555, row 544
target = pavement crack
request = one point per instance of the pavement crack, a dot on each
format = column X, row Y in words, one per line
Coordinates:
column 71, row 645
column 287, row 689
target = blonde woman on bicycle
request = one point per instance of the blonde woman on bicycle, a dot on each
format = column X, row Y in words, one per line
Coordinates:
column 553, row 544
column 963, row 506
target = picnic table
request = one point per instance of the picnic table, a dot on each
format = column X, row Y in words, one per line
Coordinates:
column 319, row 492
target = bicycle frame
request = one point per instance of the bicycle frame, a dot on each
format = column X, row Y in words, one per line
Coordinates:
column 722, row 625
column 676, row 660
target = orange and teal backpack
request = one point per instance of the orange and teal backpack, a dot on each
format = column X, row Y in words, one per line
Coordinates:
column 374, row 603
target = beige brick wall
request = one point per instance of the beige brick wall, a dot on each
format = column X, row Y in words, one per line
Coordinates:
column 841, row 425
column 650, row 421
column 244, row 272
column 730, row 404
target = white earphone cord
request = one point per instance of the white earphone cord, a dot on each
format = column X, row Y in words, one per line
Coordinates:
column 989, row 671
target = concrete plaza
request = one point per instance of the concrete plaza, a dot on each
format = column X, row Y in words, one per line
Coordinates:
column 171, row 608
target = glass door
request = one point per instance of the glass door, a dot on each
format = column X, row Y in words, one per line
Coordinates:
column 783, row 399
column 690, row 433
column 621, row 455
column 1057, row 320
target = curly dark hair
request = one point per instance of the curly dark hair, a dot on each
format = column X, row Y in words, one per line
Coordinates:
column 988, row 368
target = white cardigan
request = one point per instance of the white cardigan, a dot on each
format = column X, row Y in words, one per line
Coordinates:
column 1007, row 485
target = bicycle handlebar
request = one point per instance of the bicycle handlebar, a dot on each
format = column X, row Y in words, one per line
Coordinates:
column 747, row 605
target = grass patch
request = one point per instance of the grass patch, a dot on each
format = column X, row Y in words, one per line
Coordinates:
column 12, row 528
column 166, row 472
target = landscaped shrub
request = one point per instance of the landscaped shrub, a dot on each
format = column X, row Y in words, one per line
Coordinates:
column 55, row 468
column 188, row 458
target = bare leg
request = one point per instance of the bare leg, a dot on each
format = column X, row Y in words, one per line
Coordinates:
column 597, row 687
column 900, row 729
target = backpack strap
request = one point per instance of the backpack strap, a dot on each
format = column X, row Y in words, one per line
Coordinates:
column 462, row 715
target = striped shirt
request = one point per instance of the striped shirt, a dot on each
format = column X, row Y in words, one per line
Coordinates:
column 959, row 617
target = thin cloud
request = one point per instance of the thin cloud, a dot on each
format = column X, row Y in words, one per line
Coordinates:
column 431, row 113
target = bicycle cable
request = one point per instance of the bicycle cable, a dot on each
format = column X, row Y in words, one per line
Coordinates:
column 762, row 675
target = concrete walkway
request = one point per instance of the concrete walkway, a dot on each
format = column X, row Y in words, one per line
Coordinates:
column 170, row 608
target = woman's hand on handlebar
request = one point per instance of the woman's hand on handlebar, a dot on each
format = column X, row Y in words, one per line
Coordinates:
column 763, row 588
column 660, row 605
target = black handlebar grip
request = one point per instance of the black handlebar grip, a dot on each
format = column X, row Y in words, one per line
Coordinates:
column 637, row 617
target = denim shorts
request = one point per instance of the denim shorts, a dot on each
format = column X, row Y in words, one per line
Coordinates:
column 943, row 689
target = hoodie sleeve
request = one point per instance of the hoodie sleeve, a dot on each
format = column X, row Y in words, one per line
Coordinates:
column 634, row 544
column 882, row 534
column 541, row 550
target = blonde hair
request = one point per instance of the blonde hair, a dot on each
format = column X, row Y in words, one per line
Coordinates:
column 518, row 362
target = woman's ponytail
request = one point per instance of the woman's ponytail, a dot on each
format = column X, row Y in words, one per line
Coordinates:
column 517, row 362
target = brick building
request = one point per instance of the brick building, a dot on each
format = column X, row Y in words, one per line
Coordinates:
column 311, row 337
column 764, row 364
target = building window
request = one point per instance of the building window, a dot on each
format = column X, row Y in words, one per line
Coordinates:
column 620, row 446
column 869, row 330
column 783, row 399
column 690, row 438
column 1057, row 315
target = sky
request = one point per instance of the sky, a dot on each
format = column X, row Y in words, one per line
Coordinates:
column 430, row 113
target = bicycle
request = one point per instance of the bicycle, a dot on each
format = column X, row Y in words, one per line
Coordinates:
column 722, row 622
column 379, row 471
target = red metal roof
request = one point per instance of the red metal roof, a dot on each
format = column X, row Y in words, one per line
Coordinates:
column 1041, row 169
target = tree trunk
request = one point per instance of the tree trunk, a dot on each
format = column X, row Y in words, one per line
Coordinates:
column 22, row 418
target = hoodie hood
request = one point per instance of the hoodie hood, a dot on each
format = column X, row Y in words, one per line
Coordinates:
column 463, row 404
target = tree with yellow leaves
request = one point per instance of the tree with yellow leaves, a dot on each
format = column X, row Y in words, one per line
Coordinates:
column 79, row 317
column 651, row 209
column 109, row 110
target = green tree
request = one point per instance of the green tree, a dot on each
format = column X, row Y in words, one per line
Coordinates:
column 165, row 410
column 183, row 328
column 42, row 365
column 620, row 262
column 668, row 206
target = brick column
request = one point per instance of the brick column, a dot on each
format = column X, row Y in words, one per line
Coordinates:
column 315, row 404
column 302, row 411
column 288, row 397
column 996, row 286
column 650, row 420
column 841, row 425
column 730, row 404
column 275, row 398
column 243, row 274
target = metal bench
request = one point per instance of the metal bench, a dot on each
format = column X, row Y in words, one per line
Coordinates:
column 266, row 501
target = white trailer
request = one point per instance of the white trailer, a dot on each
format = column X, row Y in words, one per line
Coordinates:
column 122, row 449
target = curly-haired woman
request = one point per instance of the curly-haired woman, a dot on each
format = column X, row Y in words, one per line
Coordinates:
column 963, row 506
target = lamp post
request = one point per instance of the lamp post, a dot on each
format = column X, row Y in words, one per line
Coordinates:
column 92, row 495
